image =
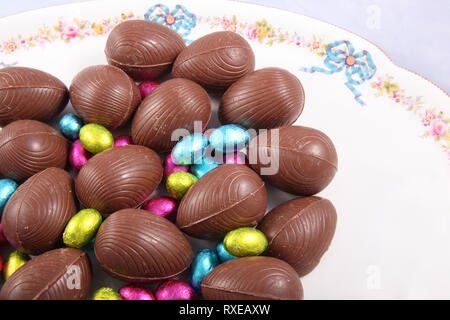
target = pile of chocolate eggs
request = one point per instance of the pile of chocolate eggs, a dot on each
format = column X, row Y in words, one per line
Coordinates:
column 135, row 202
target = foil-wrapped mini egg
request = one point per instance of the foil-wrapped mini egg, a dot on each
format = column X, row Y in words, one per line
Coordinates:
column 162, row 206
column 70, row 126
column 178, row 183
column 78, row 156
column 7, row 188
column 96, row 138
column 106, row 294
column 223, row 254
column 203, row 263
column 229, row 138
column 122, row 141
column 245, row 241
column 175, row 290
column 14, row 261
column 190, row 149
column 170, row 167
column 208, row 164
column 132, row 292
column 82, row 228
column 235, row 158
column 146, row 87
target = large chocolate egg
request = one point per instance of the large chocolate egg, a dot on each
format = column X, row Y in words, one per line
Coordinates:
column 143, row 49
column 27, row 93
column 215, row 61
column 104, row 95
column 36, row 215
column 263, row 99
column 252, row 278
column 175, row 104
column 226, row 198
column 137, row 246
column 119, row 178
column 300, row 231
column 29, row 146
column 298, row 160
column 60, row 274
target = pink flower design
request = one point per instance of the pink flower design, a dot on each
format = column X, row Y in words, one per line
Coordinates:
column 70, row 30
column 251, row 32
column 380, row 81
column 438, row 127
column 429, row 116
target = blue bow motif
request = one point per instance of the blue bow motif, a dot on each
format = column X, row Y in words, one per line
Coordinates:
column 179, row 19
column 359, row 67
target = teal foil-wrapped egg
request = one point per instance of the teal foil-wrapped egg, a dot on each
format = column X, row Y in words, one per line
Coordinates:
column 203, row 263
column 7, row 188
column 199, row 170
column 190, row 149
column 70, row 126
column 223, row 254
column 229, row 138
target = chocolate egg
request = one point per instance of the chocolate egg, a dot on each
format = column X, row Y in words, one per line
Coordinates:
column 253, row 278
column 29, row 146
column 104, row 95
column 61, row 274
column 215, row 61
column 298, row 160
column 119, row 178
column 143, row 49
column 36, row 215
column 229, row 197
column 175, row 104
column 27, row 93
column 135, row 246
column 263, row 99
column 300, row 231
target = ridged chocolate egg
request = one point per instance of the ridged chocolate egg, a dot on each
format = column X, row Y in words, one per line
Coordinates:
column 226, row 198
column 60, row 274
column 30, row 146
column 253, row 278
column 137, row 246
column 300, row 231
column 175, row 104
column 119, row 178
column 27, row 93
column 143, row 49
column 215, row 61
column 298, row 160
column 36, row 215
column 104, row 95
column 263, row 99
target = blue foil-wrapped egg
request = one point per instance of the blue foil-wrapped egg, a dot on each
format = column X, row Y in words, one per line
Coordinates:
column 190, row 149
column 70, row 126
column 223, row 254
column 203, row 263
column 229, row 138
column 199, row 170
column 7, row 188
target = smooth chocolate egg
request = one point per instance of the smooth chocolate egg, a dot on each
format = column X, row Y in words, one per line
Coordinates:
column 119, row 178
column 300, row 231
column 215, row 61
column 175, row 104
column 30, row 146
column 27, row 93
column 252, row 278
column 143, row 49
column 104, row 95
column 137, row 246
column 263, row 99
column 60, row 274
column 298, row 160
column 226, row 198
column 36, row 215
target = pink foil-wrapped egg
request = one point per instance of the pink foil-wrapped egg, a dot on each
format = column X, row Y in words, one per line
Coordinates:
column 170, row 167
column 162, row 206
column 146, row 87
column 175, row 290
column 2, row 237
column 235, row 158
column 78, row 155
column 122, row 141
column 132, row 292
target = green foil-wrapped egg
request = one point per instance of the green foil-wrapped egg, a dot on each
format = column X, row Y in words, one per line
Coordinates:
column 82, row 228
column 96, row 138
column 106, row 294
column 178, row 183
column 244, row 242
column 15, row 260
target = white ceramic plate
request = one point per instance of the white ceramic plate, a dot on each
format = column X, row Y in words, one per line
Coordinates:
column 390, row 126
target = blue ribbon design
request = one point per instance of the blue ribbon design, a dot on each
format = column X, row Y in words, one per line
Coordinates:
column 5, row 65
column 359, row 67
column 184, row 21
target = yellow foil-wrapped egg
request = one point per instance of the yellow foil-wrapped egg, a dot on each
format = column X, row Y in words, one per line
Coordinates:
column 96, row 138
column 106, row 294
column 178, row 183
column 82, row 228
column 244, row 242
column 15, row 260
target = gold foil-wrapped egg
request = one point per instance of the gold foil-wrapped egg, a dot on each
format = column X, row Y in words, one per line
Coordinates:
column 82, row 228
column 15, row 260
column 106, row 294
column 96, row 138
column 244, row 242
column 178, row 183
